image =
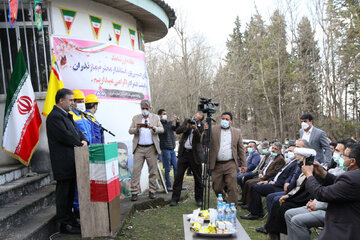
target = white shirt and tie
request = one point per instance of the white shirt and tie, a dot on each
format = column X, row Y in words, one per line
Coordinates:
column 145, row 137
column 225, row 152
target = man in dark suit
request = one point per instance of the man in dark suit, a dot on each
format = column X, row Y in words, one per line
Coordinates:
column 342, row 220
column 275, row 184
column 190, row 154
column 63, row 136
column 316, row 138
column 226, row 152
column 270, row 170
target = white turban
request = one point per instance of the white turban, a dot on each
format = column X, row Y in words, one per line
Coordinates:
column 306, row 152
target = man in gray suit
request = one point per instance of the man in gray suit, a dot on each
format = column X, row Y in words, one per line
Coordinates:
column 145, row 127
column 316, row 138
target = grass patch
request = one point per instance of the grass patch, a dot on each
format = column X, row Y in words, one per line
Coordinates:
column 166, row 222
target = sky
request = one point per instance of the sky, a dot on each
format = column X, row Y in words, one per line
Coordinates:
column 215, row 19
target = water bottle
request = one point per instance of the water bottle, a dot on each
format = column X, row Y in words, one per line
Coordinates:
column 233, row 215
column 220, row 212
column 220, row 199
column 227, row 213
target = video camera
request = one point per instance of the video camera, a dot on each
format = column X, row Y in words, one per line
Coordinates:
column 206, row 106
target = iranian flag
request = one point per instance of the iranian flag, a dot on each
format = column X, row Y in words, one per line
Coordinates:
column 95, row 25
column 22, row 118
column 104, row 172
column 68, row 17
column 132, row 37
column 117, row 31
column 143, row 41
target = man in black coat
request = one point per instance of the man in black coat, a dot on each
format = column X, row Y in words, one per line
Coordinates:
column 190, row 154
column 342, row 219
column 63, row 136
column 167, row 146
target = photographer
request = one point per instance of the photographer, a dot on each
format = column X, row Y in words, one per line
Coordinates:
column 190, row 154
column 342, row 194
column 297, row 197
column 226, row 152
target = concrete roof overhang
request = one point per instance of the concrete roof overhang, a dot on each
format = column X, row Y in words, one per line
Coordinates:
column 155, row 16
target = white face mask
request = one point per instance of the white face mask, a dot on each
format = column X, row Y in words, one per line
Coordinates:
column 145, row 112
column 291, row 155
column 164, row 117
column 81, row 106
column 225, row 124
column 304, row 125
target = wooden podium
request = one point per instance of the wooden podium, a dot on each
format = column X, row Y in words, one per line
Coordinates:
column 97, row 219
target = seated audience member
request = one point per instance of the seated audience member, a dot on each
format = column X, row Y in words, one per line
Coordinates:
column 252, row 161
column 289, row 152
column 275, row 184
column 342, row 193
column 269, row 171
column 300, row 220
column 254, row 157
column 297, row 197
column 338, row 160
column 332, row 147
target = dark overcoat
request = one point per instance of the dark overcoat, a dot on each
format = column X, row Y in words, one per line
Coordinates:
column 63, row 136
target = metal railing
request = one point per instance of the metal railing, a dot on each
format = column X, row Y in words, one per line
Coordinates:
column 35, row 44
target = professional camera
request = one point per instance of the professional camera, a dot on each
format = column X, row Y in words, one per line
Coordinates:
column 193, row 121
column 206, row 106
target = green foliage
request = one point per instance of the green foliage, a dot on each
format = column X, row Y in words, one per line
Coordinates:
column 270, row 87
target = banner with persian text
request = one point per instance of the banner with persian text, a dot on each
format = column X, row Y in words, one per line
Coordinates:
column 108, row 71
column 119, row 78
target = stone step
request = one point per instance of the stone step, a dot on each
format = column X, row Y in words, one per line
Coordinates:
column 16, row 213
column 14, row 190
column 10, row 173
column 40, row 226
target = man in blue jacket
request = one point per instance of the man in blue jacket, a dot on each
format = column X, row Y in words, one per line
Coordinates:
column 97, row 134
column 252, row 161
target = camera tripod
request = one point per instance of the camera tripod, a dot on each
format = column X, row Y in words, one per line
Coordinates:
column 206, row 176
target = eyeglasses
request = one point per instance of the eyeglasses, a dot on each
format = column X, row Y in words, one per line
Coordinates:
column 344, row 155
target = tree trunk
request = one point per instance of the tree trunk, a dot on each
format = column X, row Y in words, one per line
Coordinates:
column 267, row 98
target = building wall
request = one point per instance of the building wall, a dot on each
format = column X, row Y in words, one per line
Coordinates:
column 81, row 27
column 114, row 115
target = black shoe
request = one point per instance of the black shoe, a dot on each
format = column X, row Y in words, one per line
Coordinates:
column 134, row 198
column 183, row 188
column 152, row 195
column 199, row 203
column 170, row 189
column 68, row 229
column 250, row 217
column 245, row 206
column 261, row 230
column 173, row 203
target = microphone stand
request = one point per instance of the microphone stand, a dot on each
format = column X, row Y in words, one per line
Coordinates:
column 88, row 117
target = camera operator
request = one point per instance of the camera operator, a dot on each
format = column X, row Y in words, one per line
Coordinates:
column 226, row 152
column 190, row 154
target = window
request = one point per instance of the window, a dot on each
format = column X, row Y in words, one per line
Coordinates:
column 141, row 43
column 34, row 44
